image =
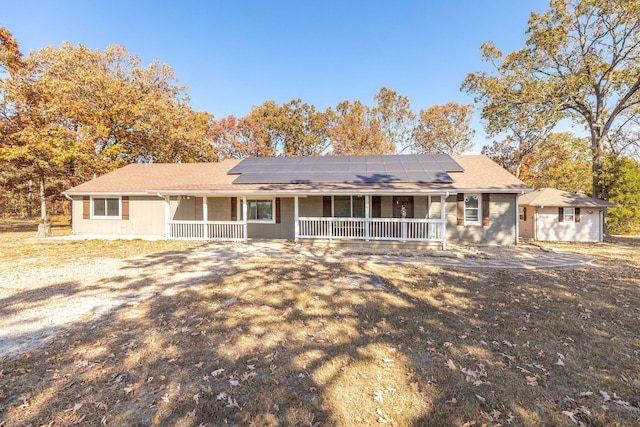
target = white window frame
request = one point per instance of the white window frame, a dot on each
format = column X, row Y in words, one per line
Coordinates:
column 259, row 221
column 479, row 220
column 569, row 217
column 333, row 206
column 119, row 216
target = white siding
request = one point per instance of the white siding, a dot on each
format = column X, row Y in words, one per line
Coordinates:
column 547, row 226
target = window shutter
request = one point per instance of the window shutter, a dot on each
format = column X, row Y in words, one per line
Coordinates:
column 560, row 214
column 376, row 207
column 234, row 209
column 277, row 210
column 524, row 213
column 86, row 207
column 326, row 206
column 577, row 216
column 460, row 201
column 486, row 218
column 125, row 207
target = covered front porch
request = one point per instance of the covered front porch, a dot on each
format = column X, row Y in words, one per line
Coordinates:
column 363, row 217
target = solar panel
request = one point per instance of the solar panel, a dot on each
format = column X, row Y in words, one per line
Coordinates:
column 421, row 168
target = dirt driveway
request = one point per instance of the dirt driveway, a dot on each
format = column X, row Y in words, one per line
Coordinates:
column 38, row 302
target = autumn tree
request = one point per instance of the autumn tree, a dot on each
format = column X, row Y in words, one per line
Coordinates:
column 10, row 55
column 357, row 131
column 582, row 58
column 561, row 161
column 74, row 112
column 294, row 128
column 444, row 129
column 515, row 109
column 394, row 115
column 235, row 138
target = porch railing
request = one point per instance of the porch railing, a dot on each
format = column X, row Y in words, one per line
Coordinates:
column 228, row 231
column 405, row 229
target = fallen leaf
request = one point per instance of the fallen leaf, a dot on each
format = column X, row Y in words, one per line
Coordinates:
column 451, row 365
column 570, row 415
column 232, row 403
column 75, row 408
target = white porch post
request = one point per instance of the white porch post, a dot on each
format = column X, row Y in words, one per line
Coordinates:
column 367, row 216
column 517, row 221
column 167, row 217
column 443, row 218
column 296, row 221
column 205, row 217
column 244, row 219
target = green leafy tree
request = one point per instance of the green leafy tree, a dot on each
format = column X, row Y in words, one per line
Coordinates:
column 444, row 129
column 622, row 177
column 580, row 61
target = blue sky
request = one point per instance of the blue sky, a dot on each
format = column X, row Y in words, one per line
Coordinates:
column 236, row 54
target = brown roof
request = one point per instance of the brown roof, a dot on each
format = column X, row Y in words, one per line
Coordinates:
column 142, row 177
column 480, row 174
column 554, row 197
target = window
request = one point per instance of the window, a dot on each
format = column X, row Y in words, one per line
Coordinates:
column 569, row 215
column 472, row 209
column 103, row 207
column 259, row 210
column 348, row 207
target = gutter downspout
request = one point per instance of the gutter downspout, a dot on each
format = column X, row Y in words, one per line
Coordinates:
column 443, row 217
column 518, row 217
column 167, row 215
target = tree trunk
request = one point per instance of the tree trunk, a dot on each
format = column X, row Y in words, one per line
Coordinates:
column 597, row 167
column 44, row 230
column 30, row 201
column 43, row 201
column 597, row 170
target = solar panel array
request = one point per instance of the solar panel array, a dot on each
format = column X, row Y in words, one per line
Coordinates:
column 413, row 168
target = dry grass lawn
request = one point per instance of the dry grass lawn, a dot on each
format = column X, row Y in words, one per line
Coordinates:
column 266, row 341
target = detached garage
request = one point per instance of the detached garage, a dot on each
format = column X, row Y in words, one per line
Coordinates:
column 555, row 215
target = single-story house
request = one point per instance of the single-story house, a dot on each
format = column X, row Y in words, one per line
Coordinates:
column 549, row 214
column 421, row 198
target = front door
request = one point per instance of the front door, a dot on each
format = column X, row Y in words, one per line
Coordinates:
column 403, row 206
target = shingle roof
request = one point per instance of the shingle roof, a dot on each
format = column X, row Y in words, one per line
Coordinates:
column 554, row 197
column 480, row 174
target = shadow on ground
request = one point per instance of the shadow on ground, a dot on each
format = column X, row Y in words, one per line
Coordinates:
column 195, row 338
